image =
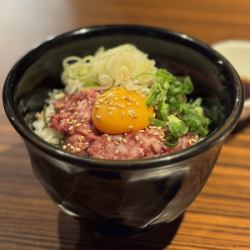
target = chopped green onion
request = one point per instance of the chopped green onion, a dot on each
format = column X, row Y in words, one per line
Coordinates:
column 176, row 126
column 168, row 96
column 158, row 123
column 171, row 141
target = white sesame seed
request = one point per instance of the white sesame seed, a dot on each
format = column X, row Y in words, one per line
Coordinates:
column 132, row 113
column 77, row 149
column 111, row 108
column 119, row 138
column 98, row 116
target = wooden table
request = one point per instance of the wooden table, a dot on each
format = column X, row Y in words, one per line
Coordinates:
column 218, row 219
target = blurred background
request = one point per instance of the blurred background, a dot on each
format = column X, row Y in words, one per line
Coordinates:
column 23, row 24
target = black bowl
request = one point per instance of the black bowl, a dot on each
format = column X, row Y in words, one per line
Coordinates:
column 134, row 194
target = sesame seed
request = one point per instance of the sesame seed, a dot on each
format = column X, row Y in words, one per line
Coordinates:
column 111, row 108
column 108, row 139
column 124, row 140
column 137, row 138
column 110, row 94
column 130, row 126
column 137, row 104
column 98, row 116
column 117, row 151
column 101, row 99
column 64, row 147
column 110, row 113
column 77, row 149
column 132, row 113
column 116, row 98
column 71, row 128
column 141, row 142
column 119, row 138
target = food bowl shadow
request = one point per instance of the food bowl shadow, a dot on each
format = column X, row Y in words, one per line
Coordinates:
column 75, row 234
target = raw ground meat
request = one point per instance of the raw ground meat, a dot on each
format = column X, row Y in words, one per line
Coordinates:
column 73, row 119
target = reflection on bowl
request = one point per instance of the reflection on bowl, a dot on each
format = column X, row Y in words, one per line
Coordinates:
column 130, row 195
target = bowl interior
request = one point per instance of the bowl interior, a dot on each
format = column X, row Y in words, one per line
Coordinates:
column 39, row 71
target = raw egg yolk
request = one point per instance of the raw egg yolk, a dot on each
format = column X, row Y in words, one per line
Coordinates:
column 119, row 110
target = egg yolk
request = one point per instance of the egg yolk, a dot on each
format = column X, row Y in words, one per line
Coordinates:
column 119, row 110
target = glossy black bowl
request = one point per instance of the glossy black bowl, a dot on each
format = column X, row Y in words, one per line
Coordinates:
column 135, row 194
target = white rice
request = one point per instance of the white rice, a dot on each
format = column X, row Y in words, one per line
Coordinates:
column 40, row 125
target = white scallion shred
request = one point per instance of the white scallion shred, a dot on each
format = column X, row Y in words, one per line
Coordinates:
column 123, row 66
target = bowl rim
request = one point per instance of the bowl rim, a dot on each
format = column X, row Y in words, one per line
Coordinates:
column 211, row 140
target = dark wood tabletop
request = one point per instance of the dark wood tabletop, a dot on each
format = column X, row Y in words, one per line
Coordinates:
column 218, row 219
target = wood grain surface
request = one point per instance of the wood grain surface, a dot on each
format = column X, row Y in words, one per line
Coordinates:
column 220, row 216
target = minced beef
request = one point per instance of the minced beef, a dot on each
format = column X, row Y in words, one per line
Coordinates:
column 73, row 119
